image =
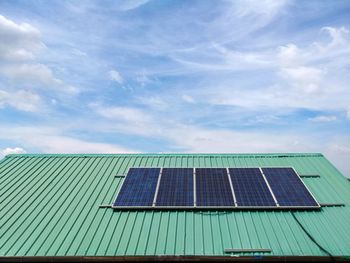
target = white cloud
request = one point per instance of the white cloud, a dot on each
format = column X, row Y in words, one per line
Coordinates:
column 79, row 53
column 62, row 144
column 306, row 79
column 242, row 60
column 216, row 57
column 292, row 60
column 290, row 55
column 266, row 8
column 123, row 113
column 323, row 118
column 19, row 49
column 342, row 149
column 16, row 150
column 338, row 36
column 51, row 140
column 153, row 102
column 18, row 41
column 311, row 76
column 130, row 4
column 70, row 90
column 143, row 78
column 187, row 98
column 198, row 139
column 296, row 69
column 338, row 151
column 245, row 17
column 193, row 138
column 115, row 76
column 23, row 100
column 130, row 120
column 35, row 73
column 348, row 113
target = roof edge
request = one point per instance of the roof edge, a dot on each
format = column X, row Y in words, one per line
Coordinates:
column 179, row 258
column 244, row 155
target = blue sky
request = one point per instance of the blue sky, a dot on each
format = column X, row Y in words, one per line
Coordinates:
column 175, row 76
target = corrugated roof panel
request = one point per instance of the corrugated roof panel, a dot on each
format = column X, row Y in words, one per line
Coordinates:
column 50, row 207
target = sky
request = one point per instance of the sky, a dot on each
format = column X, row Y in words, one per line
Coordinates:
column 175, row 76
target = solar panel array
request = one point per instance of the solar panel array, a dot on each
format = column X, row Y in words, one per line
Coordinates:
column 276, row 187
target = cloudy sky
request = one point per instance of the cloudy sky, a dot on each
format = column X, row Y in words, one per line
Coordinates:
column 175, row 76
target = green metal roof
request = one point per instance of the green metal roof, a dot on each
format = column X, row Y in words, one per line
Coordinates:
column 49, row 206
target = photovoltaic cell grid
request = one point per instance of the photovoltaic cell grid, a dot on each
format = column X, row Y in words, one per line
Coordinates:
column 213, row 187
column 138, row 188
column 288, row 188
column 176, row 187
column 250, row 187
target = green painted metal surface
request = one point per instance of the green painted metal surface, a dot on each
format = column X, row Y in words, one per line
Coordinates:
column 49, row 206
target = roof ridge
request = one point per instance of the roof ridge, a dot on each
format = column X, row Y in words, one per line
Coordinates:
column 245, row 155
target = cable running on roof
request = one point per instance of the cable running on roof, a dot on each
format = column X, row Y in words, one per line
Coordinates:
column 311, row 237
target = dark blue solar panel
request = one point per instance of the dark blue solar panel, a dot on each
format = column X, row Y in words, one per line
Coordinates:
column 250, row 187
column 176, row 187
column 138, row 188
column 288, row 188
column 213, row 187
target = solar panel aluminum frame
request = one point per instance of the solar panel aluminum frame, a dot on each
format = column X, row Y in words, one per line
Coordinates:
column 295, row 207
column 157, row 187
column 194, row 188
column 216, row 208
column 231, row 186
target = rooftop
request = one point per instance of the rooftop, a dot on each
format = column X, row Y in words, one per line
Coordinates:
column 50, row 206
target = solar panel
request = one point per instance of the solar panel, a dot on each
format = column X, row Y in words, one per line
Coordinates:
column 138, row 188
column 175, row 187
column 288, row 188
column 213, row 187
column 250, row 187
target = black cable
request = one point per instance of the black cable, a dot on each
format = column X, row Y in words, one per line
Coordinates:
column 312, row 238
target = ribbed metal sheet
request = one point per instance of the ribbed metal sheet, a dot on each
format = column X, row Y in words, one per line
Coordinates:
column 49, row 206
